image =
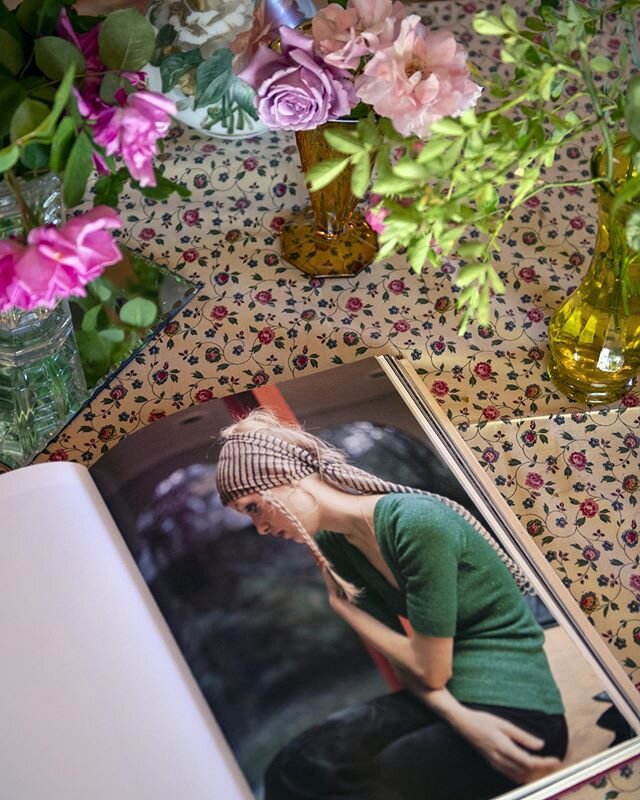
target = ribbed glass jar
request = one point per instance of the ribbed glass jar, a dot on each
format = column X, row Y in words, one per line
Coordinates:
column 41, row 377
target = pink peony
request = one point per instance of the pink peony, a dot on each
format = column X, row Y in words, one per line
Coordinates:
column 420, row 78
column 295, row 89
column 57, row 262
column 345, row 35
column 132, row 130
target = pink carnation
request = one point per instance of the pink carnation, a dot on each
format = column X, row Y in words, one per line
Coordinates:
column 420, row 78
column 345, row 35
column 132, row 130
column 57, row 262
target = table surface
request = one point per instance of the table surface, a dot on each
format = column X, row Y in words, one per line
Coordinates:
column 571, row 475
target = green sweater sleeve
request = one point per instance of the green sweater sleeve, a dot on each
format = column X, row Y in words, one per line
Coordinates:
column 428, row 552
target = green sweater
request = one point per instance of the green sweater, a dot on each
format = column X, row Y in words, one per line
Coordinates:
column 452, row 583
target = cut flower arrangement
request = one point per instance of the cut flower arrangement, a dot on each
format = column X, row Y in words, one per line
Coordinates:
column 449, row 172
column 73, row 100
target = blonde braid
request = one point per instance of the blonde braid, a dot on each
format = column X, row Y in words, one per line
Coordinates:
column 351, row 592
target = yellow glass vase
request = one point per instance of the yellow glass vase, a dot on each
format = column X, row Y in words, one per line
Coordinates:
column 331, row 236
column 594, row 336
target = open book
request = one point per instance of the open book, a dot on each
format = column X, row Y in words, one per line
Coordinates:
column 154, row 647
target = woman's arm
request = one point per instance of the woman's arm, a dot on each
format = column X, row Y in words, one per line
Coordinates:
column 498, row 740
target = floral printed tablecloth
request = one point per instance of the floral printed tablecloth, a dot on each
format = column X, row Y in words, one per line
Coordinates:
column 571, row 476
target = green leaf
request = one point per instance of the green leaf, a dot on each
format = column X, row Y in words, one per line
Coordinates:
column 467, row 276
column 107, row 189
column 38, row 17
column 166, row 35
column 174, row 66
column 632, row 229
column 535, row 24
column 26, row 118
column 164, row 188
column 470, row 250
column 35, row 155
column 126, row 40
column 510, row 18
column 77, row 170
column 12, row 93
column 628, row 191
column 244, row 96
column 487, row 24
column 139, row 312
column 11, row 55
column 102, row 288
column 361, row 174
column 112, row 334
column 343, row 141
column 632, row 106
column 90, row 319
column 432, row 149
column 61, row 144
column 411, row 170
column 601, row 64
column 417, row 253
column 8, row 157
column 45, row 130
column 53, row 56
column 213, row 78
column 323, row 173
column 447, row 127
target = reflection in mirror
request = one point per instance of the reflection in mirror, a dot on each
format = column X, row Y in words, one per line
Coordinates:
column 250, row 612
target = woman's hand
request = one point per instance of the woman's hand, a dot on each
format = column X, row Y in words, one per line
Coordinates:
column 334, row 590
column 502, row 743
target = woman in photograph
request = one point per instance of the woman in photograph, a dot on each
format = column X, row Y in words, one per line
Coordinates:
column 480, row 712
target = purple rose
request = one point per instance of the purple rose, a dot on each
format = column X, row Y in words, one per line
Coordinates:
column 295, row 89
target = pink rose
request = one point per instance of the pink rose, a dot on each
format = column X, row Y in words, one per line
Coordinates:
column 589, row 508
column 57, row 262
column 375, row 217
column 527, row 274
column 266, row 336
column 219, row 312
column 534, row 480
column 490, row 413
column 634, row 581
column 483, row 370
column 402, row 326
column 396, row 286
column 203, row 395
column 344, row 35
column 577, row 460
column 439, row 388
column 420, row 78
column 354, row 304
column 295, row 89
column 132, row 130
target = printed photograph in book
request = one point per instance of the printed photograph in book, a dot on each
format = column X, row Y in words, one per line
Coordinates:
column 354, row 623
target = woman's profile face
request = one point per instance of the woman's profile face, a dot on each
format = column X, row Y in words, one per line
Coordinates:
column 267, row 519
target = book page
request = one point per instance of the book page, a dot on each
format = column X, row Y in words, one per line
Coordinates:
column 96, row 699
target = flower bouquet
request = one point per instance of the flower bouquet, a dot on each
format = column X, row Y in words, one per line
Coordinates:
column 365, row 61
column 199, row 47
column 74, row 100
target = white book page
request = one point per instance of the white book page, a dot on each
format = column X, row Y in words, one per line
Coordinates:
column 96, row 700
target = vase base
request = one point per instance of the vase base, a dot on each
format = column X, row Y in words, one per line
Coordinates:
column 593, row 393
column 314, row 254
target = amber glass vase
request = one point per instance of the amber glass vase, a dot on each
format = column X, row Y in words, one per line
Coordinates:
column 331, row 236
column 594, row 336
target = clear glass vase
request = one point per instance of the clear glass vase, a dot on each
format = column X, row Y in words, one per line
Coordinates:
column 594, row 336
column 41, row 377
column 330, row 236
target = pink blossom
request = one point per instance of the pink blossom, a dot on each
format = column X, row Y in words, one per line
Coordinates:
column 59, row 262
column 420, row 78
column 132, row 130
column 376, row 217
column 634, row 581
column 10, row 292
column 345, row 35
column 534, row 480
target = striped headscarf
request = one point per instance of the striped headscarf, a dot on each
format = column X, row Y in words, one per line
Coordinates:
column 255, row 462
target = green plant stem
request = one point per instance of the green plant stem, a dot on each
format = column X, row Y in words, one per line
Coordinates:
column 29, row 219
column 602, row 116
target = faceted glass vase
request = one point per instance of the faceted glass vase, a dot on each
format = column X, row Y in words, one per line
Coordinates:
column 594, row 336
column 331, row 236
column 41, row 377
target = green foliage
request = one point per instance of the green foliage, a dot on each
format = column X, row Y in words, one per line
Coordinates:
column 175, row 65
column 53, row 56
column 213, row 78
column 126, row 40
column 439, row 190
